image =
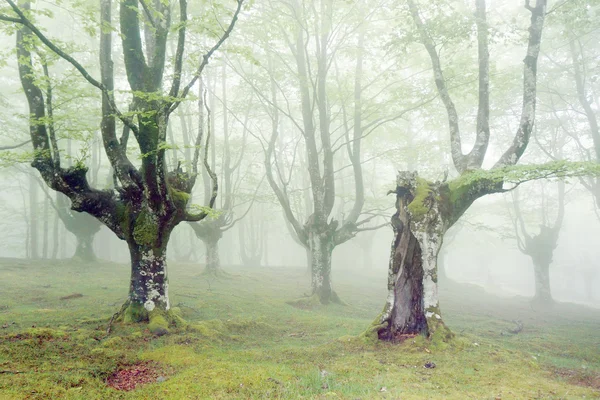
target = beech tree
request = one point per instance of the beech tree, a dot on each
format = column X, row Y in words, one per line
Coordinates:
column 426, row 210
column 233, row 174
column 319, row 113
column 148, row 201
column 540, row 246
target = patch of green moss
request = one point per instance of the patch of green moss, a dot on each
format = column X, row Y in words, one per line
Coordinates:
column 180, row 198
column 158, row 324
column 459, row 188
column 371, row 334
column 44, row 333
column 133, row 313
column 145, row 231
column 418, row 207
column 113, row 342
column 439, row 334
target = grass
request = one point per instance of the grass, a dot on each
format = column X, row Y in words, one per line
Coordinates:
column 244, row 342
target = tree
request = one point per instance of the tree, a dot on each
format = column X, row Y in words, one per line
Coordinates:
column 316, row 103
column 540, row 247
column 211, row 229
column 425, row 210
column 148, row 201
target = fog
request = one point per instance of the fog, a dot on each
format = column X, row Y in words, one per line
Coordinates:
column 422, row 144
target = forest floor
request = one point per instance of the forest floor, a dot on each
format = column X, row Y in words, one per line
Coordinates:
column 244, row 342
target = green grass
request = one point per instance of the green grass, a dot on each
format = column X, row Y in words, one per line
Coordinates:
column 244, row 342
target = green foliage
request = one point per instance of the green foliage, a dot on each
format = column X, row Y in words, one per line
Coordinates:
column 521, row 173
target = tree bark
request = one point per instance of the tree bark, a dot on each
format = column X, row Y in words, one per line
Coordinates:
column 213, row 261
column 412, row 306
column 543, row 294
column 321, row 248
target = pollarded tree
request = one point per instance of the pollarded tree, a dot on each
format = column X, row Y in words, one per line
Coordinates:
column 426, row 210
column 540, row 246
column 233, row 174
column 148, row 201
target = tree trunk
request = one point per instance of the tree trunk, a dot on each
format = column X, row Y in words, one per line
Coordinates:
column 321, row 248
column 55, row 239
column 412, row 305
column 213, row 262
column 543, row 295
column 85, row 248
column 45, row 230
column 33, row 219
column 149, row 284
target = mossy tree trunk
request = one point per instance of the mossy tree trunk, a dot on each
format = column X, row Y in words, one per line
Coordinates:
column 424, row 213
column 412, row 306
column 149, row 282
column 425, row 210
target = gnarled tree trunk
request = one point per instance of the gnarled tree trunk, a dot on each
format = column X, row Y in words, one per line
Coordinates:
column 412, row 306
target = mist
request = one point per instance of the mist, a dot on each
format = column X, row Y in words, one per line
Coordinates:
column 299, row 199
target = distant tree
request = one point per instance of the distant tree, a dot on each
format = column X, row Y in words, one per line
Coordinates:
column 146, row 202
column 540, row 246
column 233, row 174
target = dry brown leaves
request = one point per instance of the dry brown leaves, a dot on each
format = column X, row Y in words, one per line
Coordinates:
column 131, row 376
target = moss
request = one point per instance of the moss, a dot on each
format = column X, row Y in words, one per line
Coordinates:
column 45, row 333
column 214, row 329
column 418, row 207
column 460, row 187
column 145, row 231
column 158, row 325
column 113, row 342
column 371, row 334
column 133, row 312
column 180, row 198
column 123, row 213
column 439, row 334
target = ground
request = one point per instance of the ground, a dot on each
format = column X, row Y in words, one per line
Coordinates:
column 244, row 342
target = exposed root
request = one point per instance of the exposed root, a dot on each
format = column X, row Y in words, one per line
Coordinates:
column 159, row 321
column 335, row 299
